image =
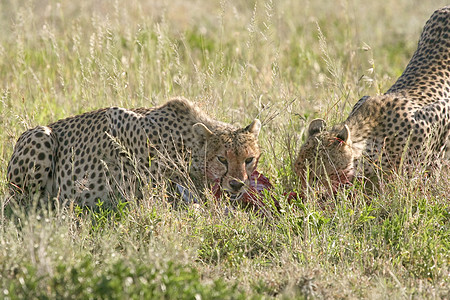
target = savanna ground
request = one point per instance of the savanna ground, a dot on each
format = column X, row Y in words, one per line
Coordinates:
column 284, row 62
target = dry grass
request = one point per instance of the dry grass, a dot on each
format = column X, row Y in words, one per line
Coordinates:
column 284, row 62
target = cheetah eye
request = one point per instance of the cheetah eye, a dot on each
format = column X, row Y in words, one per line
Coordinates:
column 249, row 160
column 222, row 159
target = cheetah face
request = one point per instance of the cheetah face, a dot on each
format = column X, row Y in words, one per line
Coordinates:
column 325, row 157
column 231, row 156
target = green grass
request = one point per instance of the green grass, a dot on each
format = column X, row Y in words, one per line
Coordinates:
column 284, row 62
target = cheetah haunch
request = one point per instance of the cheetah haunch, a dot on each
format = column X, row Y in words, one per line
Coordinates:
column 100, row 154
column 409, row 124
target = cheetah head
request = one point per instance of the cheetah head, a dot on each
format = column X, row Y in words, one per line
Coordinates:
column 326, row 155
column 231, row 156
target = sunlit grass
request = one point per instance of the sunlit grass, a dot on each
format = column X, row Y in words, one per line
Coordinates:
column 285, row 62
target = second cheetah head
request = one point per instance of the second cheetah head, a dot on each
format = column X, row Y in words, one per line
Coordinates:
column 326, row 156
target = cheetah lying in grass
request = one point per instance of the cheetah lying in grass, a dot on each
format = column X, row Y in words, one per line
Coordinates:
column 100, row 154
column 408, row 124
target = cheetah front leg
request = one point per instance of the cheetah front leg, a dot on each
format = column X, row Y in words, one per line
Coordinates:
column 31, row 168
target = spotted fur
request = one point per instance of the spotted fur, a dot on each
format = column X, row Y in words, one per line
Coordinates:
column 410, row 123
column 108, row 152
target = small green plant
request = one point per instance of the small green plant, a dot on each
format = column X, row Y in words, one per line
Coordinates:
column 88, row 279
column 102, row 216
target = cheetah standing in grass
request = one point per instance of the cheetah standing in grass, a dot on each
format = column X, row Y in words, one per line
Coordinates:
column 410, row 123
column 105, row 153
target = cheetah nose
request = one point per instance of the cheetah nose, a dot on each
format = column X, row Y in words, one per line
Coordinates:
column 236, row 185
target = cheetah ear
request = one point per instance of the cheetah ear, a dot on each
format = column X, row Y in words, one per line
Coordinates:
column 316, row 126
column 200, row 129
column 344, row 134
column 254, row 127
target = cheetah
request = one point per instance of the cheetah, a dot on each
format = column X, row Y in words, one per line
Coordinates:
column 408, row 124
column 105, row 153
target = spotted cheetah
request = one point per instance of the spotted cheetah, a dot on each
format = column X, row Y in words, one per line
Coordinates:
column 104, row 153
column 410, row 123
